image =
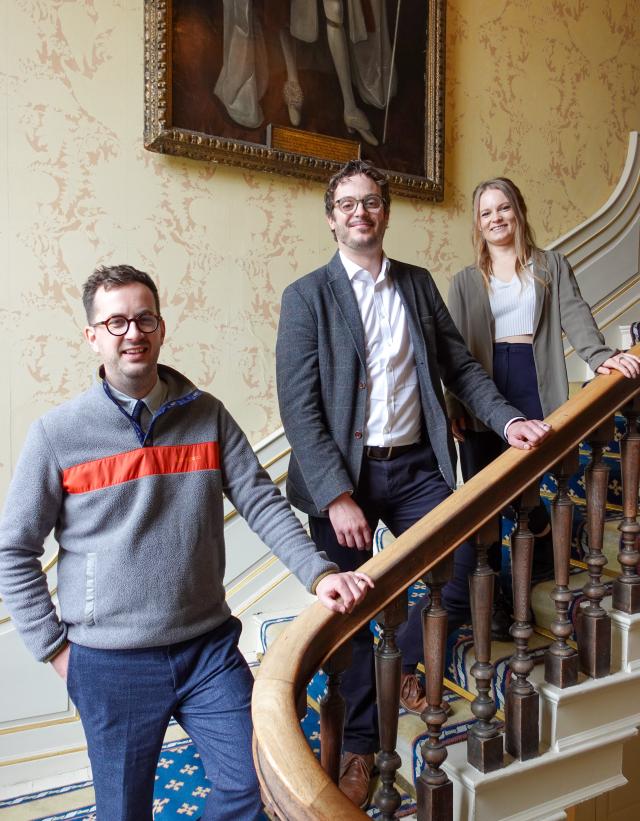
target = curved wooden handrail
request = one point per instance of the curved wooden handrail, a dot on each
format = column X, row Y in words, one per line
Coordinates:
column 289, row 772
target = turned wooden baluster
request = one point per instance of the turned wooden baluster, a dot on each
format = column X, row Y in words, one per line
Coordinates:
column 332, row 712
column 593, row 625
column 484, row 741
column 434, row 791
column 561, row 660
column 626, row 589
column 388, row 661
column 521, row 700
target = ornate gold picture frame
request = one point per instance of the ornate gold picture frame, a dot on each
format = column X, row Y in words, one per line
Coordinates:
column 298, row 87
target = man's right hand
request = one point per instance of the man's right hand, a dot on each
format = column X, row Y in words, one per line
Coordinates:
column 60, row 663
column 349, row 523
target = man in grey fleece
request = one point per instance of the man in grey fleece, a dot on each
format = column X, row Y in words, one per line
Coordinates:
column 130, row 475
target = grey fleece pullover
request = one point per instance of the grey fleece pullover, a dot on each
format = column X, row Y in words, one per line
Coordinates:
column 139, row 521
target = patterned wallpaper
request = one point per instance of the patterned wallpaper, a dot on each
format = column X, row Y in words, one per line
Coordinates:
column 545, row 92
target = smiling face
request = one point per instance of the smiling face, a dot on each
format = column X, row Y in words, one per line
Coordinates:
column 362, row 230
column 496, row 218
column 130, row 361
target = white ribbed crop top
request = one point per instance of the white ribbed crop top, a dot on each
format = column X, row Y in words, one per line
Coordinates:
column 513, row 306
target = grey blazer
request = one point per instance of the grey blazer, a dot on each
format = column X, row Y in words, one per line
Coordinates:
column 322, row 379
column 559, row 307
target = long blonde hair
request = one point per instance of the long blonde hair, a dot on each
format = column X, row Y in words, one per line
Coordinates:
column 526, row 247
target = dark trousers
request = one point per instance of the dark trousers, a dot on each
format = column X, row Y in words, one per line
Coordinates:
column 399, row 492
column 126, row 698
column 514, row 372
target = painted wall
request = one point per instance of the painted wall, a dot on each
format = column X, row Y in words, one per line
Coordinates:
column 545, row 92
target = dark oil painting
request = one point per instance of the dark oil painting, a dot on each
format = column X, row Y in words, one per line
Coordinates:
column 347, row 69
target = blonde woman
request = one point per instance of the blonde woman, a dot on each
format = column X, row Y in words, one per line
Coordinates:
column 511, row 306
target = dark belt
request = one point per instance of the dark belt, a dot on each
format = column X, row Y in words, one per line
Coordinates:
column 389, row 452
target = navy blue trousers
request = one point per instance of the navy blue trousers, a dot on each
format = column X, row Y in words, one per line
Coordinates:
column 514, row 372
column 126, row 698
column 398, row 492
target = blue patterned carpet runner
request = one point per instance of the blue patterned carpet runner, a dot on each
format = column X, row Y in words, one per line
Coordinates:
column 181, row 787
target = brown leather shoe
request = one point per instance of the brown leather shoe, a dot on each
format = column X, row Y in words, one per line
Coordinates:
column 355, row 777
column 413, row 697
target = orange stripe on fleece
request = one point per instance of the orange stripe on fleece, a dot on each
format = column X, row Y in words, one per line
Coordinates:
column 134, row 464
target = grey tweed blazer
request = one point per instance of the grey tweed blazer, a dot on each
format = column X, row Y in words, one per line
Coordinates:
column 322, row 379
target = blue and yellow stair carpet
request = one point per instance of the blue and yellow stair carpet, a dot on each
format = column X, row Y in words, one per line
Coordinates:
column 181, row 787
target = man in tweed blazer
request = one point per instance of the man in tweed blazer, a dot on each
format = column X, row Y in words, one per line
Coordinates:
column 363, row 345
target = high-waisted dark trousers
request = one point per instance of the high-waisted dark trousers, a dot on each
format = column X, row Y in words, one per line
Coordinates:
column 514, row 373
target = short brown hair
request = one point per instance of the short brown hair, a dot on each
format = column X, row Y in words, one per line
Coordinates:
column 352, row 169
column 115, row 276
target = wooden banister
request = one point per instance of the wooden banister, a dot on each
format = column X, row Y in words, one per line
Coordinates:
column 293, row 781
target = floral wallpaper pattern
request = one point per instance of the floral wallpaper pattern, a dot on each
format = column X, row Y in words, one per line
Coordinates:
column 544, row 92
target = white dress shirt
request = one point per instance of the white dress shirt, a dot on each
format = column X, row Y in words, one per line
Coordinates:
column 394, row 415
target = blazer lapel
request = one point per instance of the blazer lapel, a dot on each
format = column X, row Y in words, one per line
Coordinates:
column 347, row 305
column 404, row 286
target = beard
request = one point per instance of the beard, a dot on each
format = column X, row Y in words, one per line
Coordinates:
column 351, row 238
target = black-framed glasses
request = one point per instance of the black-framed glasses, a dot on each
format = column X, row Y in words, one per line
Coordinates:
column 118, row 325
column 372, row 202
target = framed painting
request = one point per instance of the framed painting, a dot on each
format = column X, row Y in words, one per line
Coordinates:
column 299, row 87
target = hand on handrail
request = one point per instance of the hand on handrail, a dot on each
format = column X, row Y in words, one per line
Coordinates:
column 626, row 363
column 527, row 433
column 341, row 592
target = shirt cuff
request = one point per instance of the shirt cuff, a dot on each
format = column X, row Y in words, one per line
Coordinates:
column 511, row 421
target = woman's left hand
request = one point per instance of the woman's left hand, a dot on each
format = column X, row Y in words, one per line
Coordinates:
column 626, row 363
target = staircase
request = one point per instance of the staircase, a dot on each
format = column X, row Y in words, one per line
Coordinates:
column 574, row 751
column 582, row 729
